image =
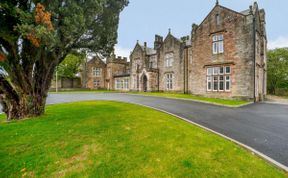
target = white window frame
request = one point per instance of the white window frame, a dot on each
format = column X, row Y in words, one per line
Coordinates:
column 216, row 70
column 169, row 59
column 96, row 83
column 126, row 84
column 226, row 70
column 223, row 70
column 169, row 81
column 96, row 71
column 219, row 82
column 118, row 84
column 218, row 44
column 209, row 71
column 214, row 76
column 229, row 80
column 209, row 80
column 122, row 84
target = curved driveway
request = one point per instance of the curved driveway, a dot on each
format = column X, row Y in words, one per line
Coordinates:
column 263, row 127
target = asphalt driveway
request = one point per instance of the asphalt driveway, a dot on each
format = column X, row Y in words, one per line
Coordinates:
column 261, row 126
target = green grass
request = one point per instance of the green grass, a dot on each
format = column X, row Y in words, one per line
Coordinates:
column 113, row 139
column 226, row 102
column 2, row 118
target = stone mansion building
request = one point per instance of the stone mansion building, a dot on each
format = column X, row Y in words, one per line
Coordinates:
column 223, row 57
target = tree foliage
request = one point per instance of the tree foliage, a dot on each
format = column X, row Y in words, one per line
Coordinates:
column 277, row 75
column 70, row 66
column 35, row 36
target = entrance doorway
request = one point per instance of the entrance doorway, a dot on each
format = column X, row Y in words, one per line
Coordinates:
column 145, row 83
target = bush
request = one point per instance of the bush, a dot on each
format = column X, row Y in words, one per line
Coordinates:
column 281, row 91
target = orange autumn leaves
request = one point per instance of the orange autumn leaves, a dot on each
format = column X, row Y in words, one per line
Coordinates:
column 41, row 17
column 2, row 57
column 33, row 39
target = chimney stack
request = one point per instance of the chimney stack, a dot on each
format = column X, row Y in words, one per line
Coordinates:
column 158, row 41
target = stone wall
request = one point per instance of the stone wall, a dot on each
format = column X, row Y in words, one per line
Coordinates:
column 96, row 62
column 66, row 83
column 115, row 66
column 171, row 45
column 193, row 55
column 237, row 30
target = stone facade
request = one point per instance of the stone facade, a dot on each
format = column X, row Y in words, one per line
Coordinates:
column 236, row 31
column 116, row 68
column 144, row 69
column 102, row 75
column 96, row 73
column 223, row 57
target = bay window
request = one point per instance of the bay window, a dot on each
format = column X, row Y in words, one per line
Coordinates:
column 122, row 84
column 219, row 79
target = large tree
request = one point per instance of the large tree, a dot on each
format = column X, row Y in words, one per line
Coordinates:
column 277, row 69
column 71, row 65
column 36, row 35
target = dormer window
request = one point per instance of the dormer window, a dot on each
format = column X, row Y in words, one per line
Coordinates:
column 217, row 18
column 218, row 44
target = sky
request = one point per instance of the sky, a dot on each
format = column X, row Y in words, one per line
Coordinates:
column 142, row 19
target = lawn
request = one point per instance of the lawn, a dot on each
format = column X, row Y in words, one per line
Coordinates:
column 114, row 139
column 226, row 102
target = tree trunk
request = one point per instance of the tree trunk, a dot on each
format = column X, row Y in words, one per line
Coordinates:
column 24, row 107
column 21, row 101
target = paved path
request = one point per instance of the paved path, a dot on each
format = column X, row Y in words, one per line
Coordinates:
column 263, row 127
column 277, row 100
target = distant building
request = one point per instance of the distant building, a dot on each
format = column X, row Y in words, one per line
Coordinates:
column 113, row 74
column 224, row 57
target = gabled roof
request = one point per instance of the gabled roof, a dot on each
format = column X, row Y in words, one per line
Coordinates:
column 245, row 12
column 149, row 51
column 96, row 58
column 169, row 35
column 137, row 46
column 219, row 6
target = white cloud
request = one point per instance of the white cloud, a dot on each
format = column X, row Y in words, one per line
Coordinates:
column 280, row 42
column 124, row 52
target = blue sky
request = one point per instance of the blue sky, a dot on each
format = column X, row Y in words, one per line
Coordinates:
column 142, row 19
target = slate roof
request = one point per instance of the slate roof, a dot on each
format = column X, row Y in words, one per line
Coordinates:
column 246, row 12
column 149, row 51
